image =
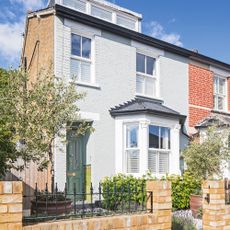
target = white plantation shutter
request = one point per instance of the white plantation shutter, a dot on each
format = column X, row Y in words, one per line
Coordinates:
column 76, row 4
column 152, row 161
column 163, row 162
column 101, row 13
column 133, row 161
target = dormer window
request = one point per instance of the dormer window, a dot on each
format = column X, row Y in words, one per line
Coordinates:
column 219, row 93
column 145, row 75
column 101, row 13
column 76, row 4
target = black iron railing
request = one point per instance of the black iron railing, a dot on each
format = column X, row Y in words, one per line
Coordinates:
column 106, row 200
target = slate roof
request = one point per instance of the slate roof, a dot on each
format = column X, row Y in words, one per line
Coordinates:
column 143, row 105
column 219, row 119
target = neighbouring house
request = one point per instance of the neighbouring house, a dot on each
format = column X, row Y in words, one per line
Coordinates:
column 145, row 97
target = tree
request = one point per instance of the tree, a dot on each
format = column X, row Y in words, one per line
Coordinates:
column 209, row 157
column 7, row 147
column 35, row 114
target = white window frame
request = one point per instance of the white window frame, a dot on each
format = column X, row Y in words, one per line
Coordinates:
column 128, row 18
column 102, row 8
column 126, row 149
column 145, row 75
column 82, row 59
column 216, row 95
column 159, row 150
column 83, row 11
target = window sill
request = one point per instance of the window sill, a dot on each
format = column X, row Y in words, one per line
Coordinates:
column 89, row 85
column 149, row 97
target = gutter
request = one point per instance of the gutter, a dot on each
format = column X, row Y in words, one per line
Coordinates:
column 66, row 12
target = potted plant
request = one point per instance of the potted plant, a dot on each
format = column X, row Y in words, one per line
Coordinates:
column 196, row 202
column 205, row 159
column 51, row 204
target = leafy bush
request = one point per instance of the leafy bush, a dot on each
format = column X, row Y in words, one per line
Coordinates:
column 182, row 187
column 205, row 159
column 182, row 223
column 121, row 189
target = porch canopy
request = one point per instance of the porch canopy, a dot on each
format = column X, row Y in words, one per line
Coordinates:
column 218, row 119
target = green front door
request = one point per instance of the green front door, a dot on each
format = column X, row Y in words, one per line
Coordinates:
column 76, row 161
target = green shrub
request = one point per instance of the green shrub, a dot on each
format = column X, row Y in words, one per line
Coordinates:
column 118, row 190
column 182, row 223
column 182, row 187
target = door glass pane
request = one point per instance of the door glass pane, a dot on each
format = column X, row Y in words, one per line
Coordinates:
column 150, row 65
column 75, row 69
column 140, row 84
column 221, row 86
column 163, row 163
column 86, row 47
column 153, row 136
column 165, row 138
column 75, row 45
column 132, row 161
column 85, row 72
column 149, row 86
column 152, row 161
column 132, row 136
column 140, row 62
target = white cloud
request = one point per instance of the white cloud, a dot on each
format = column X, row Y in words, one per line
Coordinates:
column 11, row 41
column 12, row 28
column 155, row 29
column 29, row 4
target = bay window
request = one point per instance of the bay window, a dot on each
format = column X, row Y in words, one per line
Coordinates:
column 159, row 147
column 219, row 93
column 145, row 75
column 132, row 148
column 80, row 58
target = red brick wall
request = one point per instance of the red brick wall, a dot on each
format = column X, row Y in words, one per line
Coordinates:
column 196, row 115
column 200, row 93
column 200, row 86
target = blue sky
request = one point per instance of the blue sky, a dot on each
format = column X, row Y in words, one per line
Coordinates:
column 199, row 24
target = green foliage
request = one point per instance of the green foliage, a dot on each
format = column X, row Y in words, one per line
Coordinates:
column 122, row 183
column 7, row 147
column 182, row 188
column 32, row 114
column 182, row 223
column 205, row 158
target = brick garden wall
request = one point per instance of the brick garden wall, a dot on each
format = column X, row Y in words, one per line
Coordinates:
column 216, row 214
column 159, row 218
column 10, row 205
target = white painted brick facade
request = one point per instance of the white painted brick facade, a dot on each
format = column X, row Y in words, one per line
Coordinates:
column 115, row 74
